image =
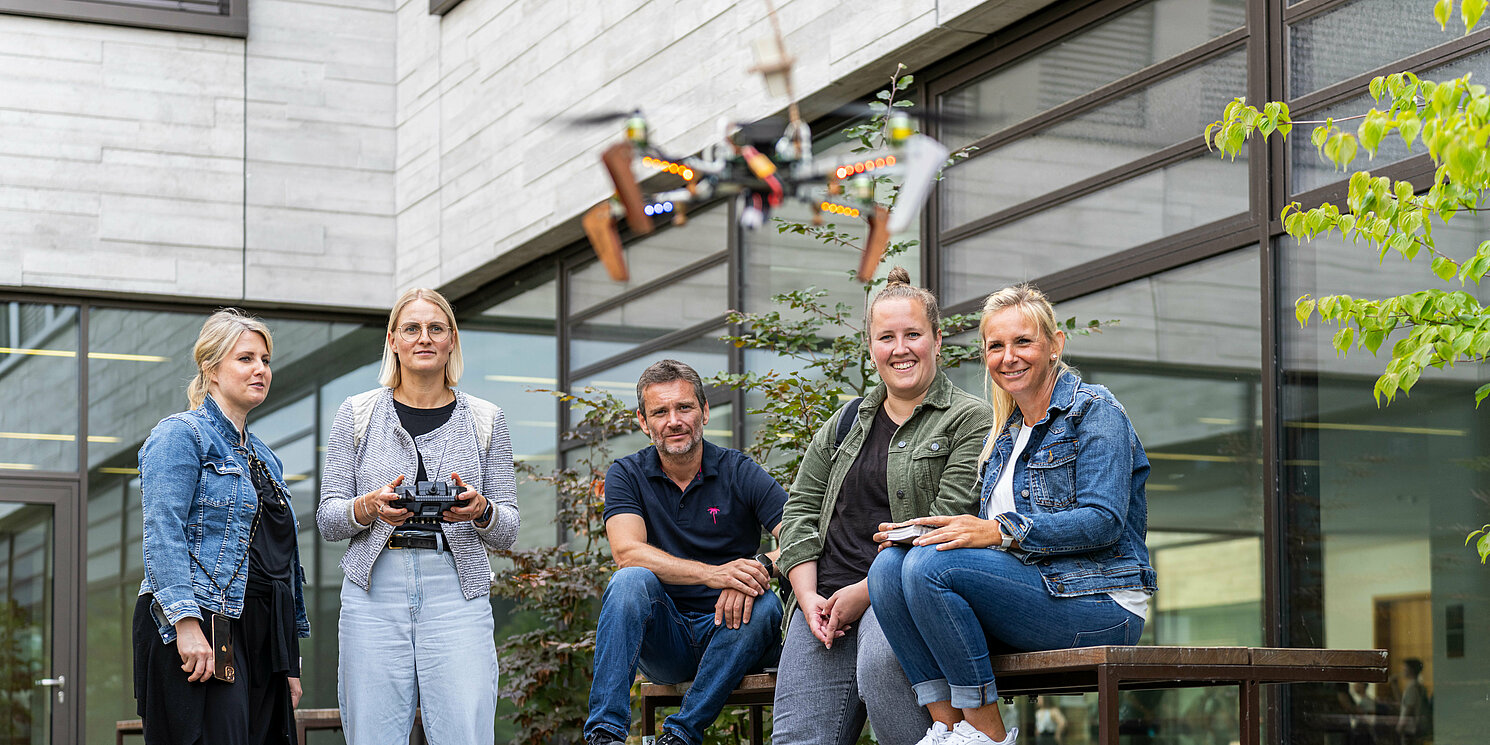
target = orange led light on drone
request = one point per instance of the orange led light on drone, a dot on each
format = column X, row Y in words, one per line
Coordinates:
column 677, row 169
column 850, row 169
column 838, row 209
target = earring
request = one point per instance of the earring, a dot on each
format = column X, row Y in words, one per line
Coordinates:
column 1054, row 357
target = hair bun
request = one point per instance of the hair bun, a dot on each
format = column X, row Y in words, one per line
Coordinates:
column 899, row 276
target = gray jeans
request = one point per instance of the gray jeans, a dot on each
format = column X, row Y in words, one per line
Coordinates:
column 822, row 694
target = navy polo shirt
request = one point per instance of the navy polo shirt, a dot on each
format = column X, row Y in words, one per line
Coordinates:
column 716, row 520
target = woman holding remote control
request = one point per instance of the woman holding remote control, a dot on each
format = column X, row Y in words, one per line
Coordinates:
column 1054, row 559
column 908, row 448
column 416, row 621
column 218, row 623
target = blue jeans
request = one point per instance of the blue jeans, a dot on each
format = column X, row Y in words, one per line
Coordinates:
column 413, row 640
column 946, row 612
column 640, row 627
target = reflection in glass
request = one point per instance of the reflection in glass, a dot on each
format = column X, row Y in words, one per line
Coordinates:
column 1311, row 170
column 1145, row 208
column 26, row 599
column 1122, row 44
column 1345, row 41
column 1183, row 360
column 652, row 256
column 694, row 299
column 1379, row 499
column 706, row 354
column 1118, row 132
column 39, row 384
column 778, row 262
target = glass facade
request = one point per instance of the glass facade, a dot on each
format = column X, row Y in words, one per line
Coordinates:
column 1285, row 507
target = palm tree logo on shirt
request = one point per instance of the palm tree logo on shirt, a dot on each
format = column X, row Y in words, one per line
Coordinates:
column 714, row 513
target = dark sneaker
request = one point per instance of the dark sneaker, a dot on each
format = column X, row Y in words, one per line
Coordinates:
column 601, row 737
column 668, row 738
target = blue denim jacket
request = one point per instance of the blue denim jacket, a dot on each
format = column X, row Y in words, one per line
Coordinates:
column 1081, row 514
column 198, row 497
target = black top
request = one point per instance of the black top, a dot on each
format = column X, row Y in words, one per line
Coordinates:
column 422, row 422
column 271, row 554
column 718, row 518
column 863, row 503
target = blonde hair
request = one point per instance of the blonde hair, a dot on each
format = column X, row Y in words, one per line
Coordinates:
column 1036, row 309
column 898, row 285
column 218, row 337
column 389, row 374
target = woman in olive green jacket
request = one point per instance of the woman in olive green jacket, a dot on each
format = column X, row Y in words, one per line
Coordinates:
column 911, row 451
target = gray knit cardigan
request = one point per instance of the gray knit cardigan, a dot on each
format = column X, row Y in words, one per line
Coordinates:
column 387, row 452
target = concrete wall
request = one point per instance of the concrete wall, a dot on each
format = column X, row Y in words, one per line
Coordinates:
column 191, row 166
column 350, row 148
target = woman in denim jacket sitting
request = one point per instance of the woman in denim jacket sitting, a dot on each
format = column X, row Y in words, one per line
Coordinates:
column 1055, row 557
column 219, row 542
column 910, row 450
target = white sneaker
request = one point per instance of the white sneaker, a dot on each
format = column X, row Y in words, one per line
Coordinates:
column 936, row 735
column 967, row 734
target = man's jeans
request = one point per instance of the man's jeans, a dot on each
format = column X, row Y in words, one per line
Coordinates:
column 941, row 610
column 640, row 627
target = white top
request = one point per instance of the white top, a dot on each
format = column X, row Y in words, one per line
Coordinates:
column 1133, row 601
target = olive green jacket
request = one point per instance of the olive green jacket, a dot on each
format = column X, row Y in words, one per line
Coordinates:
column 932, row 468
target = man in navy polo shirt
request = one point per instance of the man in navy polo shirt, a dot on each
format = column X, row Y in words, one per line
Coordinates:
column 692, row 599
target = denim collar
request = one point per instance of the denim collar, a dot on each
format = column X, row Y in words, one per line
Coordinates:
column 213, row 413
column 652, row 462
column 1062, row 398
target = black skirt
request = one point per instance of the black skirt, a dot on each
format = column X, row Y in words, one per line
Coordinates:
column 253, row 710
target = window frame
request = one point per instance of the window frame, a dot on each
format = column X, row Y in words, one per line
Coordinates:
column 233, row 23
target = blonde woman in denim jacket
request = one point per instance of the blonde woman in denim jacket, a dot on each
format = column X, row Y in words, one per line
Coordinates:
column 911, row 450
column 1055, row 557
column 219, row 542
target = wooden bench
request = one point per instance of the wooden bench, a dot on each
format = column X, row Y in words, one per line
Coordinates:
column 305, row 721
column 1106, row 671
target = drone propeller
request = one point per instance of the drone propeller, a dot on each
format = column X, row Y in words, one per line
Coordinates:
column 617, row 160
column 600, row 227
column 601, row 117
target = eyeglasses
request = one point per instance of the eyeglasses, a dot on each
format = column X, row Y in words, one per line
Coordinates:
column 438, row 332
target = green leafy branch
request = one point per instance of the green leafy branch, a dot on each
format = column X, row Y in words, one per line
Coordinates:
column 1451, row 120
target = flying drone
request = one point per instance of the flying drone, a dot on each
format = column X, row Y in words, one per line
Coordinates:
column 762, row 165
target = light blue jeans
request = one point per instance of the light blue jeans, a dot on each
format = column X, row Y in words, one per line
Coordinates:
column 823, row 695
column 415, row 640
column 946, row 612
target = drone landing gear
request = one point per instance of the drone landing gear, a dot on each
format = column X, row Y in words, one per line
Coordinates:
column 617, row 160
column 878, row 241
column 601, row 229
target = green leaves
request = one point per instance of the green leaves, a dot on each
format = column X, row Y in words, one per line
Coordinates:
column 1441, row 12
column 1238, row 121
column 1483, row 545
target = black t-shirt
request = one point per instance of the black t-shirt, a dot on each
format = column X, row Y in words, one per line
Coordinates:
column 863, row 503
column 421, row 422
column 272, row 552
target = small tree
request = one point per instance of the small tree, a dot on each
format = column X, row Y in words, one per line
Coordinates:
column 546, row 671
column 1452, row 121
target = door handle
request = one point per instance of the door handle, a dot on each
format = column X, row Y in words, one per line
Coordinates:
column 59, row 682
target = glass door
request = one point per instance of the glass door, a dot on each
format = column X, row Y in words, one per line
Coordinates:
column 38, row 605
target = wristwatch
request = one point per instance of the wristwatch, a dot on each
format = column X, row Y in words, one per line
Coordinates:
column 766, row 562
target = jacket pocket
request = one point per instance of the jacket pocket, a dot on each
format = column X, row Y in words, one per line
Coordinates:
column 1052, row 475
column 220, row 481
column 928, row 461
